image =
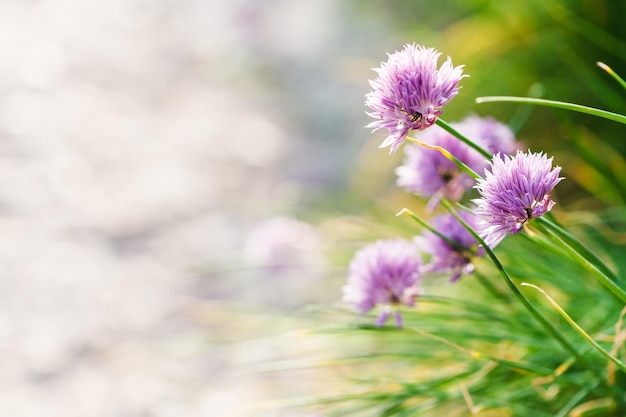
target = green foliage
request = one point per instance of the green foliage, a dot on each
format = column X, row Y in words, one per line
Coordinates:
column 476, row 349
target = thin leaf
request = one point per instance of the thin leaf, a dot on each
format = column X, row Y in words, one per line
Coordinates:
column 584, row 257
column 579, row 329
column 612, row 73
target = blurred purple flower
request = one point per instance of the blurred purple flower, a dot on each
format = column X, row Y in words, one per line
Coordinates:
column 410, row 91
column 445, row 255
column 385, row 272
column 282, row 243
column 515, row 190
column 488, row 133
column 430, row 174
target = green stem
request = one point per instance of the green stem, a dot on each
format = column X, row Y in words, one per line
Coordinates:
column 583, row 256
column 558, row 104
column 445, row 126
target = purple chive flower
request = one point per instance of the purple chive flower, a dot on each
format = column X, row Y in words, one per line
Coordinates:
column 428, row 173
column 410, row 91
column 385, row 272
column 455, row 254
column 515, row 190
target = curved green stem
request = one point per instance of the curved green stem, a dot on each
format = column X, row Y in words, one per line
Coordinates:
column 558, row 104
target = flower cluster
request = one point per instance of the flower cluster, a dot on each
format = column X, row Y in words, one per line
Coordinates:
column 408, row 95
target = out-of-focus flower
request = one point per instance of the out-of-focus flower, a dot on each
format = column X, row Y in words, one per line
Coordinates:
column 385, row 272
column 410, row 91
column 430, row 174
column 457, row 252
column 282, row 243
column 488, row 133
column 515, row 189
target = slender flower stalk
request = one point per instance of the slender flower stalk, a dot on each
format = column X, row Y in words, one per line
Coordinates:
column 410, row 92
column 386, row 272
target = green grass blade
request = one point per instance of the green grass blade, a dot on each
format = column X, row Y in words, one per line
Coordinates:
column 578, row 329
column 584, row 257
column 612, row 73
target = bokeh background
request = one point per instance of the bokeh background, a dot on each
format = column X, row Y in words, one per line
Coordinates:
column 182, row 183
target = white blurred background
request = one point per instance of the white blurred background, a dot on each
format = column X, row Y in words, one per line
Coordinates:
column 141, row 143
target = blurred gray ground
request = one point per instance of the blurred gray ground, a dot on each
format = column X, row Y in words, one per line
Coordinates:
column 139, row 142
